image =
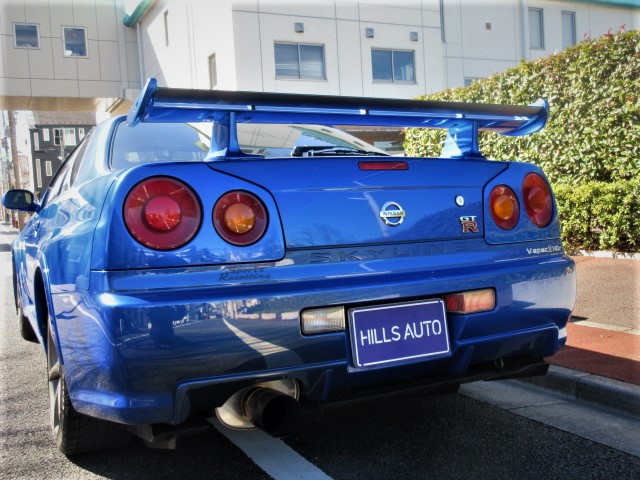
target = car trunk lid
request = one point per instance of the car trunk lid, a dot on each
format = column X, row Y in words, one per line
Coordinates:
column 326, row 202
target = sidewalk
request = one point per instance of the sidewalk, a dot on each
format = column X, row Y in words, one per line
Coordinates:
column 601, row 361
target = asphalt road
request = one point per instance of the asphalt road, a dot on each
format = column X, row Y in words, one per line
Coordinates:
column 415, row 436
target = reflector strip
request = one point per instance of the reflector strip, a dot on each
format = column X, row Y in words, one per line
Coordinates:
column 471, row 302
column 383, row 165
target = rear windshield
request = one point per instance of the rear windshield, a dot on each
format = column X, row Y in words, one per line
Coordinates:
column 190, row 142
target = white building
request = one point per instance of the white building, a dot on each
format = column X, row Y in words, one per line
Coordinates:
column 385, row 48
column 66, row 55
column 93, row 54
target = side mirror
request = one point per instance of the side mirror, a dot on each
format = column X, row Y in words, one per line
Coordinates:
column 21, row 200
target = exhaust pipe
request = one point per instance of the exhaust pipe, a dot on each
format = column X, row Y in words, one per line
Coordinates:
column 272, row 411
column 270, row 406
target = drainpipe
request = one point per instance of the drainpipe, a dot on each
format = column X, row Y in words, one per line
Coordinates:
column 524, row 12
column 134, row 20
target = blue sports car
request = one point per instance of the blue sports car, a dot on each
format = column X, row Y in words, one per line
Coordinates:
column 232, row 254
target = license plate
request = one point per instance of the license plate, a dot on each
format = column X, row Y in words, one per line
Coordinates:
column 400, row 333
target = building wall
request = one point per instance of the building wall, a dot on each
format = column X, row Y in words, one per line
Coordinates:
column 479, row 38
column 44, row 72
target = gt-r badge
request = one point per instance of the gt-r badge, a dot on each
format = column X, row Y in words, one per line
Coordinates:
column 392, row 214
column 469, row 224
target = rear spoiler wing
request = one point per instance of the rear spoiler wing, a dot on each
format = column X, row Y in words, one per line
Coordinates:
column 462, row 120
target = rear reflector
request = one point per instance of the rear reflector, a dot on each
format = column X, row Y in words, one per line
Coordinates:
column 471, row 302
column 383, row 165
column 322, row 320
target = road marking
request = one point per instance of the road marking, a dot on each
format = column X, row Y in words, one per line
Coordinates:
column 272, row 455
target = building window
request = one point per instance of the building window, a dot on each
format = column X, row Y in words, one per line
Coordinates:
column 26, row 35
column 75, row 41
column 38, row 173
column 536, row 28
column 568, row 29
column 36, row 142
column 70, row 137
column 48, row 171
column 469, row 80
column 45, row 134
column 297, row 60
column 80, row 134
column 393, row 65
column 166, row 28
column 213, row 72
column 57, row 136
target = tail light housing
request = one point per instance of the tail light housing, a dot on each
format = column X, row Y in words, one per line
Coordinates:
column 537, row 199
column 162, row 213
column 504, row 206
column 240, row 218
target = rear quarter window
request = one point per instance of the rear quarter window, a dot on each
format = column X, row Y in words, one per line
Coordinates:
column 159, row 142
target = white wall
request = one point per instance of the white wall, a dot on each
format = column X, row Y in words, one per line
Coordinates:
column 44, row 72
column 592, row 20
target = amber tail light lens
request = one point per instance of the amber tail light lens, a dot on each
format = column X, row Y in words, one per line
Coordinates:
column 537, row 199
column 240, row 218
column 504, row 206
column 162, row 213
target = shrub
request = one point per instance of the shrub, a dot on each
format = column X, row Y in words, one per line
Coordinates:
column 600, row 216
column 592, row 137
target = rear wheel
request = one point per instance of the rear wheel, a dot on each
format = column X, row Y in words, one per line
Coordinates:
column 73, row 432
column 26, row 330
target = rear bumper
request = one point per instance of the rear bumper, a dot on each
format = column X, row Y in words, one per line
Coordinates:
column 155, row 346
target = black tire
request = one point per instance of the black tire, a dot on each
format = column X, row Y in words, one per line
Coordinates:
column 26, row 330
column 73, row 432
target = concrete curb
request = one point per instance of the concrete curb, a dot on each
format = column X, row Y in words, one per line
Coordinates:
column 606, row 392
column 605, row 254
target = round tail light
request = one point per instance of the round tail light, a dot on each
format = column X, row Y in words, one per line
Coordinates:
column 240, row 218
column 162, row 213
column 504, row 206
column 537, row 199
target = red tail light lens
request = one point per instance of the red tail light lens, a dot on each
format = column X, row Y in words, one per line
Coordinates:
column 240, row 218
column 537, row 199
column 504, row 206
column 162, row 213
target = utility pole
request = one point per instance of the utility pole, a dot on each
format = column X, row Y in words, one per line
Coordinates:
column 16, row 163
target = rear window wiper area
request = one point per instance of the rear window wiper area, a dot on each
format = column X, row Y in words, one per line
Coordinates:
column 323, row 150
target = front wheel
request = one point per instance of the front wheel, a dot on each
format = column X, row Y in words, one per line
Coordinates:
column 73, row 432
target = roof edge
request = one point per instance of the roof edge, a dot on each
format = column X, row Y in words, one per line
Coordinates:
column 614, row 3
column 130, row 20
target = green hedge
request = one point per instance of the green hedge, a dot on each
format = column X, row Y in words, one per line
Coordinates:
column 592, row 138
column 600, row 216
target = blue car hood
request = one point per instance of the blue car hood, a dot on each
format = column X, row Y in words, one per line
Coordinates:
column 331, row 201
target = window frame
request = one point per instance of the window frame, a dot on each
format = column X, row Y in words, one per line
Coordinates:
column 300, row 75
column 213, row 71
column 15, row 36
column 58, row 136
column 540, row 13
column 68, row 133
column 393, row 79
column 64, row 42
column 572, row 14
column 38, row 173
